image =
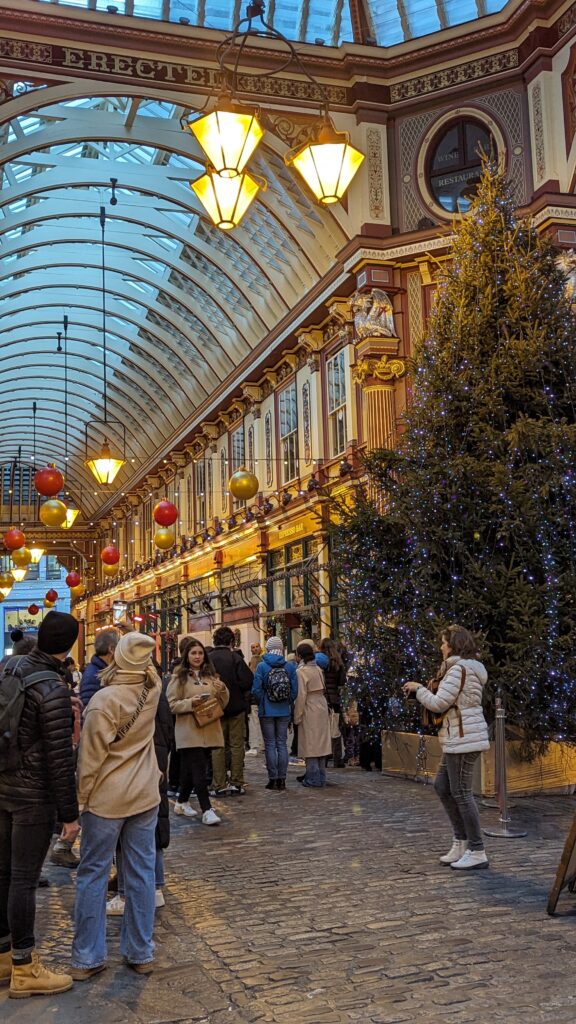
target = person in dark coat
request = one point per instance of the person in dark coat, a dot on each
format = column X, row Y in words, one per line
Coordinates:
column 32, row 795
column 104, row 647
column 237, row 677
column 335, row 679
column 163, row 742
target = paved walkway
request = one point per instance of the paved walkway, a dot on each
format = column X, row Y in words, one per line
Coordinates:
column 330, row 907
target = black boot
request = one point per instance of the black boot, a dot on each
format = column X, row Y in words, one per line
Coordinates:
column 281, row 784
column 271, row 784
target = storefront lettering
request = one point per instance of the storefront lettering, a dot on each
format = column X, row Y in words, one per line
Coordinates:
column 135, row 67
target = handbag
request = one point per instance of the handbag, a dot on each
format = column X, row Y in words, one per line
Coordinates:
column 437, row 718
column 210, row 710
column 334, row 724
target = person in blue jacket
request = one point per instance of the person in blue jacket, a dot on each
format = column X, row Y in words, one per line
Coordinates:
column 274, row 677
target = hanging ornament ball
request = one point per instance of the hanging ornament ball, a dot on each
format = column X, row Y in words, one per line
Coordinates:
column 110, row 555
column 47, row 603
column 14, row 538
column 6, row 579
column 53, row 512
column 73, row 579
column 21, row 557
column 110, row 568
column 243, row 485
column 165, row 513
column 48, row 481
column 33, row 609
column 52, row 595
column 165, row 538
column 476, row 535
column 78, row 591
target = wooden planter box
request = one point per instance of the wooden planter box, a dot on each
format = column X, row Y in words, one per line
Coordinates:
column 411, row 756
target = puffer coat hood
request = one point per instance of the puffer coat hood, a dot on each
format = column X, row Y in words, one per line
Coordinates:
column 469, row 701
column 322, row 660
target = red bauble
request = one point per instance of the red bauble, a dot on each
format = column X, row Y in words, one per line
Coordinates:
column 51, row 595
column 73, row 579
column 110, row 555
column 33, row 609
column 14, row 538
column 48, row 481
column 165, row 513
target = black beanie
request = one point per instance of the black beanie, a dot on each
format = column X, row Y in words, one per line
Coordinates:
column 58, row 632
column 16, row 635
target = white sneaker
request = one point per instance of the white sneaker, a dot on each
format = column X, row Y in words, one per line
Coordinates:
column 471, row 860
column 457, row 850
column 115, row 906
column 210, row 818
column 185, row 809
column 159, row 901
column 253, row 752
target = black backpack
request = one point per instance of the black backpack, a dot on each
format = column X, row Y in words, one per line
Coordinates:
column 277, row 685
column 13, row 686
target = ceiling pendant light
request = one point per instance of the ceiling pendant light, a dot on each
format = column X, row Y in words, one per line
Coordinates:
column 104, row 467
column 225, row 199
column 228, row 136
column 71, row 517
column 327, row 162
column 36, row 553
column 19, row 574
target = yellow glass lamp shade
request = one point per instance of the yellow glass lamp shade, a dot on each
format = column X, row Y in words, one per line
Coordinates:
column 165, row 538
column 327, row 163
column 110, row 570
column 225, row 199
column 105, row 468
column 21, row 557
column 228, row 137
column 243, row 485
column 53, row 512
column 36, row 553
column 71, row 517
column 19, row 574
column 5, row 591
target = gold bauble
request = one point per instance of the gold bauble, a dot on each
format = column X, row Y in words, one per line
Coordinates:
column 78, row 591
column 6, row 580
column 48, row 604
column 110, row 570
column 243, row 485
column 22, row 557
column 165, row 538
column 53, row 512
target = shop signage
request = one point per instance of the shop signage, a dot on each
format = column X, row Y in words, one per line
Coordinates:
column 306, row 525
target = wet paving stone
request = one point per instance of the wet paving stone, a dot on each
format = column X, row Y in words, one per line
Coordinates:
column 331, row 907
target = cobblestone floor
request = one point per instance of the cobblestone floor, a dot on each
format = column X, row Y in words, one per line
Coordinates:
column 330, row 907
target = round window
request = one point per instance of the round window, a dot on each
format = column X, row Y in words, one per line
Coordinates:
column 455, row 165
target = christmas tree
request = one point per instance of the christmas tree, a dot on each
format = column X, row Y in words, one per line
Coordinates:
column 472, row 518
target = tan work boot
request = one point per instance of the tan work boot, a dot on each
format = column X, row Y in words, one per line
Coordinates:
column 35, row 979
column 5, row 968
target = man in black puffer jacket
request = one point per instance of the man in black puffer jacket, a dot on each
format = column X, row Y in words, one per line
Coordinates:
column 32, row 796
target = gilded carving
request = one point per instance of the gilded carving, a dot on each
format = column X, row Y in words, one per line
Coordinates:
column 449, row 78
column 373, row 314
column 382, row 369
column 538, row 125
column 375, row 173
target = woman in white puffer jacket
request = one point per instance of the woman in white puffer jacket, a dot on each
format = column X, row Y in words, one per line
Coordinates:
column 463, row 735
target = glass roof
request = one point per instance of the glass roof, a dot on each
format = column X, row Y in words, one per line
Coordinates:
column 314, row 21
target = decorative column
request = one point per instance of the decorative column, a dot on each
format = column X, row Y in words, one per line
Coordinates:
column 377, row 376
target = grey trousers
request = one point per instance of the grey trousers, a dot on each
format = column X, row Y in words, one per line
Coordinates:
column 453, row 784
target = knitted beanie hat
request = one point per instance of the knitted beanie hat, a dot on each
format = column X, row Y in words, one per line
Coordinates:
column 133, row 652
column 58, row 632
column 274, row 645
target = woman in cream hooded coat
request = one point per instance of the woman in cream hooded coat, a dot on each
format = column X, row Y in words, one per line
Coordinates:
column 463, row 735
column 118, row 780
column 312, row 717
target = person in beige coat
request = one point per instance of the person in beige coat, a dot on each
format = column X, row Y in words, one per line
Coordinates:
column 312, row 717
column 193, row 682
column 118, row 779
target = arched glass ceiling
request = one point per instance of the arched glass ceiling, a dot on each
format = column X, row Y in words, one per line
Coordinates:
column 329, row 21
column 186, row 303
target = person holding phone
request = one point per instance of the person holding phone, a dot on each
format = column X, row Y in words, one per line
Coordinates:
column 194, row 681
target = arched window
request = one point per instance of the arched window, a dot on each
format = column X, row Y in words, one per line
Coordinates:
column 454, row 162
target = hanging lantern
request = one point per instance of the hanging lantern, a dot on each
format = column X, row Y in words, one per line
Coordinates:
column 48, row 481
column 73, row 579
column 47, row 603
column 110, row 568
column 78, row 591
column 22, row 557
column 165, row 538
column 33, row 609
column 14, row 538
column 105, row 467
column 243, row 485
column 36, row 553
column 327, row 163
column 228, row 136
column 53, row 512
column 110, row 555
column 71, row 517
column 225, row 199
column 19, row 575
column 52, row 595
column 6, row 581
column 5, row 591
column 165, row 513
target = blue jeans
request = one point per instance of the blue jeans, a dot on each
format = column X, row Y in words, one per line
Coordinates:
column 158, row 870
column 275, row 733
column 315, row 774
column 99, row 839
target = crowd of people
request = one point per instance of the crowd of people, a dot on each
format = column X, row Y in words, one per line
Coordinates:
column 103, row 761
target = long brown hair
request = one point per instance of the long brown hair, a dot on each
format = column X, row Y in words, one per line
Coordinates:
column 330, row 649
column 182, row 671
column 461, row 641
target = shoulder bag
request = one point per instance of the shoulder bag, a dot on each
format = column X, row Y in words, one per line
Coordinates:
column 437, row 718
column 124, row 729
column 210, row 710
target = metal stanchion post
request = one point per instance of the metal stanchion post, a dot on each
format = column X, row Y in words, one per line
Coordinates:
column 504, row 832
